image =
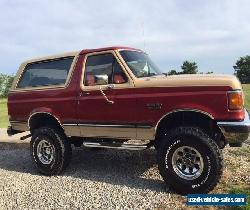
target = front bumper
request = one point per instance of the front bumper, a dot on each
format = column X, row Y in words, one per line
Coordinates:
column 236, row 132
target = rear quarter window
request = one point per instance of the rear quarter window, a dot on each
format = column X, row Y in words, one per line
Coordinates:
column 46, row 73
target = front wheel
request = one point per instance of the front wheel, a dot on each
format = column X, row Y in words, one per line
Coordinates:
column 189, row 161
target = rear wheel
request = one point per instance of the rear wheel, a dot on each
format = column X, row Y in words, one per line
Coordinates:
column 50, row 150
column 189, row 161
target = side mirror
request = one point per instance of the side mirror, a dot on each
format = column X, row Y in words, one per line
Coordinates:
column 101, row 79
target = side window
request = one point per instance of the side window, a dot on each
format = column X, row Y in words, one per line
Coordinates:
column 46, row 73
column 98, row 66
column 103, row 69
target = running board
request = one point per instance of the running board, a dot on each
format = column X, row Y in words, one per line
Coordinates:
column 118, row 146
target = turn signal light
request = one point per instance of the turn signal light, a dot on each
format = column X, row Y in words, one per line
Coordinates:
column 235, row 100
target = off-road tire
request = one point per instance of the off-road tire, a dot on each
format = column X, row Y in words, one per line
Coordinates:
column 62, row 150
column 211, row 154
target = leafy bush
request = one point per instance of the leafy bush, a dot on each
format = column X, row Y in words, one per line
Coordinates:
column 5, row 84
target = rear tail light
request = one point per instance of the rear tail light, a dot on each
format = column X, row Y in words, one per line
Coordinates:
column 235, row 100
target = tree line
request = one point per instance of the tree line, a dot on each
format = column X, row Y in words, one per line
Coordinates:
column 241, row 70
column 187, row 68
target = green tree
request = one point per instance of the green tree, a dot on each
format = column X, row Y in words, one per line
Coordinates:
column 172, row 72
column 5, row 84
column 189, row 67
column 242, row 69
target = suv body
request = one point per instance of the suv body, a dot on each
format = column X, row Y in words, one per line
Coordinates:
column 105, row 97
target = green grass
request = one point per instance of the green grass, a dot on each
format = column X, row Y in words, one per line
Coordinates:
column 4, row 122
column 246, row 89
column 240, row 190
column 242, row 151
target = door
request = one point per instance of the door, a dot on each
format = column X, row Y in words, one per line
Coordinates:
column 105, row 107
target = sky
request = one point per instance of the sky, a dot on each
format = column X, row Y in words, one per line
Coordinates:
column 212, row 33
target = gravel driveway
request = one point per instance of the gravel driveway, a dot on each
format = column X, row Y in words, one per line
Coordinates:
column 95, row 179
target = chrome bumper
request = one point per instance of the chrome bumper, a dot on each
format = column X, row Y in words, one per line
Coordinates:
column 236, row 132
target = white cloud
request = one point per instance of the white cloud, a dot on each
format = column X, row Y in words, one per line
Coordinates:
column 212, row 33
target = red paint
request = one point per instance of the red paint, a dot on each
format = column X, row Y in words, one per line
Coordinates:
column 130, row 104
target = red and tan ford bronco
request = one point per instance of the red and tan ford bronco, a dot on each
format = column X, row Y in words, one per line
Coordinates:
column 106, row 97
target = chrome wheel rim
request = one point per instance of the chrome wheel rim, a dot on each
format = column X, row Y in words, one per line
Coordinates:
column 45, row 152
column 187, row 162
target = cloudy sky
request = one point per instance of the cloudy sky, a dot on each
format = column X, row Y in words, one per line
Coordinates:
column 212, row 33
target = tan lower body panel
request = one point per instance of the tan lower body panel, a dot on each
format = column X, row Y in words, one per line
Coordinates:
column 20, row 126
column 109, row 131
column 72, row 130
column 145, row 133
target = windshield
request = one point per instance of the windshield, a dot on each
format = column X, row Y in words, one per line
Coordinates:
column 140, row 63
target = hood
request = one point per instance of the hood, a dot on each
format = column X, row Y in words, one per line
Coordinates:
column 189, row 80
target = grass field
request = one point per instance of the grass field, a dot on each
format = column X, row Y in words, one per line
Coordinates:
column 3, row 113
column 247, row 96
column 4, row 116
